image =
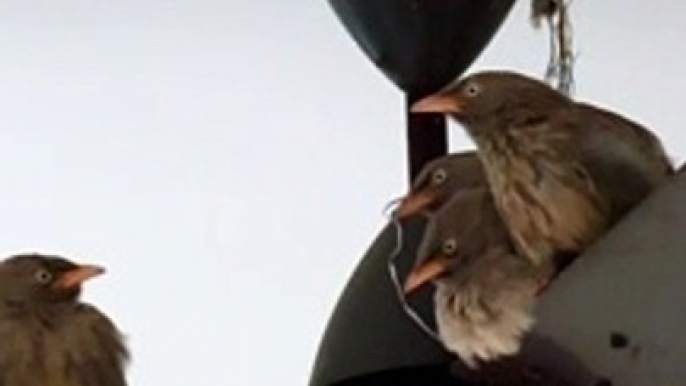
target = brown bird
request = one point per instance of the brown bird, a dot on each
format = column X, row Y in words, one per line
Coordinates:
column 485, row 292
column 49, row 337
column 439, row 180
column 561, row 172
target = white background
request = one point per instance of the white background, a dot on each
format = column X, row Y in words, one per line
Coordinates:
column 228, row 160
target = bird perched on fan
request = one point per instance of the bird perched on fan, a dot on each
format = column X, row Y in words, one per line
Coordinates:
column 485, row 292
column 49, row 337
column 551, row 176
column 561, row 172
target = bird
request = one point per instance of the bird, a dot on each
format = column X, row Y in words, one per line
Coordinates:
column 49, row 337
column 561, row 172
column 484, row 291
column 438, row 180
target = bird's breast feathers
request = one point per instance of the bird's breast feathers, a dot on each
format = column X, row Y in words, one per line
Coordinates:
column 481, row 329
column 82, row 348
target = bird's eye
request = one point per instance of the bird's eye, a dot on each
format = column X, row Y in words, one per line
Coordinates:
column 472, row 89
column 439, row 176
column 43, row 276
column 449, row 246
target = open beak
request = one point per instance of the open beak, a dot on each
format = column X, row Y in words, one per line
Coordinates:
column 413, row 203
column 425, row 272
column 437, row 103
column 78, row 275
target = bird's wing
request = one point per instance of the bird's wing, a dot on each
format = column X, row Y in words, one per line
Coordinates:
column 644, row 140
column 625, row 161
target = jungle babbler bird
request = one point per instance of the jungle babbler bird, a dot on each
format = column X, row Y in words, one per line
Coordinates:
column 485, row 292
column 561, row 173
column 49, row 337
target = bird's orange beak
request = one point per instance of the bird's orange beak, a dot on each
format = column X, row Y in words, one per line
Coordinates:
column 437, row 103
column 413, row 203
column 78, row 275
column 425, row 272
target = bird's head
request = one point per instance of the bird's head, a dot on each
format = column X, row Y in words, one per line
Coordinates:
column 439, row 180
column 441, row 261
column 34, row 280
column 455, row 235
column 492, row 95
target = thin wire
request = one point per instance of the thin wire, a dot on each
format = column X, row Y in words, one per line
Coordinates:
column 389, row 209
column 567, row 58
column 562, row 58
column 395, row 278
column 552, row 69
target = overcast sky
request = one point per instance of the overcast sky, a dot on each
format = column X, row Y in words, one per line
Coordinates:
column 228, row 160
